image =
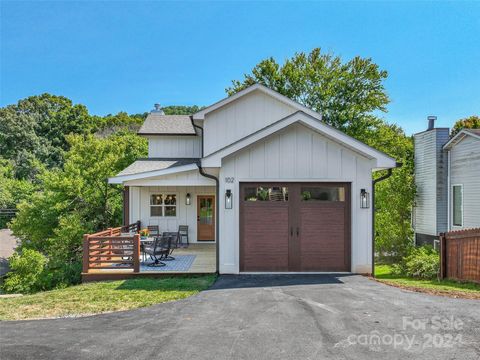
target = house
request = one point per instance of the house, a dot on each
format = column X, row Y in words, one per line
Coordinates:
column 261, row 176
column 447, row 179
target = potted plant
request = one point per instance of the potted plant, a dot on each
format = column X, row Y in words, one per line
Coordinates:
column 144, row 233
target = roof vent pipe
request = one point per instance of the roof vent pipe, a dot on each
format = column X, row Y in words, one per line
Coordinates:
column 431, row 122
column 158, row 109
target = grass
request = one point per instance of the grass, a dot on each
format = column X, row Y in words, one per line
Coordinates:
column 383, row 273
column 102, row 297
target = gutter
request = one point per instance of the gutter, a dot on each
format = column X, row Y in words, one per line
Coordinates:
column 374, row 182
column 197, row 127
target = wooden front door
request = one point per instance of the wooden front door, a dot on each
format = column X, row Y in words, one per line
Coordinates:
column 206, row 218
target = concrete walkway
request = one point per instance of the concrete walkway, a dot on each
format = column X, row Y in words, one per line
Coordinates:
column 265, row 317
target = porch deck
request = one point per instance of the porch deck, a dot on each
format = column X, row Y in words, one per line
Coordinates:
column 204, row 263
column 107, row 255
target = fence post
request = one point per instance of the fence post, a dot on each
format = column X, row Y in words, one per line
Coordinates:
column 443, row 256
column 136, row 253
column 86, row 254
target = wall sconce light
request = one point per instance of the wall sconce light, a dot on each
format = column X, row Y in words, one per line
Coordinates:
column 188, row 199
column 364, row 199
column 228, row 199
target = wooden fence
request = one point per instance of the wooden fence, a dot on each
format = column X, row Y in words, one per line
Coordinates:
column 460, row 255
column 112, row 249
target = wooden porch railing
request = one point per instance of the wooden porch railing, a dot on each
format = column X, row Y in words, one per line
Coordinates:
column 109, row 249
column 460, row 255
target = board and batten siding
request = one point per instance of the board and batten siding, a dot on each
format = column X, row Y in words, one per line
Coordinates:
column 296, row 154
column 174, row 146
column 430, row 182
column 465, row 170
column 186, row 214
column 241, row 118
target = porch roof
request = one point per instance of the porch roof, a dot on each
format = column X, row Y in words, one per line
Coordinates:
column 144, row 168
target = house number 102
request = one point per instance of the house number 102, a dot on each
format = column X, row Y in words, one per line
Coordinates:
column 229, row 180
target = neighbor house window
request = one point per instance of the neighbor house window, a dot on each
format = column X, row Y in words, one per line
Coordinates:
column 457, row 205
column 163, row 205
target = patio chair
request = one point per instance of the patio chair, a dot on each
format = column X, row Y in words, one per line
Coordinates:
column 183, row 234
column 156, row 251
column 170, row 243
column 153, row 230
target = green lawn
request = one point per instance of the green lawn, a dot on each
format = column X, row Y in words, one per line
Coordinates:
column 101, row 297
column 442, row 287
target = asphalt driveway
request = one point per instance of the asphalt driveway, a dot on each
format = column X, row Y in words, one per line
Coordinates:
column 265, row 317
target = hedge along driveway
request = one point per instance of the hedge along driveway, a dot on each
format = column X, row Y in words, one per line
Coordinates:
column 102, row 297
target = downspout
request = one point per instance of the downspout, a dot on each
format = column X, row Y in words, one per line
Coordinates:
column 449, row 204
column 217, row 201
column 374, row 182
column 217, row 212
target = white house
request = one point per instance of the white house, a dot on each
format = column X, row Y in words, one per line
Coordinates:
column 447, row 178
column 276, row 188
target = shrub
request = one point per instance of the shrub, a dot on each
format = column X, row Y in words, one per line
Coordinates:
column 422, row 262
column 26, row 272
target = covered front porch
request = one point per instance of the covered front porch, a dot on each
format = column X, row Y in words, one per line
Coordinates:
column 161, row 198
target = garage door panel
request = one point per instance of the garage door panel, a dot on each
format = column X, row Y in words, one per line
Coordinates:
column 322, row 238
column 265, row 238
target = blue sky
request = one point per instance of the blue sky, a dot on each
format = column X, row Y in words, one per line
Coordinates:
column 114, row 56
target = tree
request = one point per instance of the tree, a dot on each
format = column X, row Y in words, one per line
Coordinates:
column 347, row 94
column 75, row 200
column 344, row 92
column 34, row 131
column 472, row 122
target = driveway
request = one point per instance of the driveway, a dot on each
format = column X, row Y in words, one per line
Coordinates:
column 264, row 317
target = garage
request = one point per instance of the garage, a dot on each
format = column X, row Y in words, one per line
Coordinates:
column 295, row 227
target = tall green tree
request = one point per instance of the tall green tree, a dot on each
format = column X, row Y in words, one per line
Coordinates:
column 75, row 200
column 471, row 122
column 344, row 92
column 349, row 94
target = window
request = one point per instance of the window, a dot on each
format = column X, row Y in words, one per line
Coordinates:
column 163, row 205
column 457, row 207
column 266, row 193
column 324, row 193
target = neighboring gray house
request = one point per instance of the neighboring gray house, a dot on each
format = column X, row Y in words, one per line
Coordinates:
column 447, row 178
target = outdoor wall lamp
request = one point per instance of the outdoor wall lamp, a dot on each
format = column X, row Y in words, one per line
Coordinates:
column 364, row 199
column 188, row 199
column 228, row 199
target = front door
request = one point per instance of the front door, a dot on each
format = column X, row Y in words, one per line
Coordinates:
column 206, row 218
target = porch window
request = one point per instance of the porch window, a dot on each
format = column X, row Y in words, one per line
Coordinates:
column 163, row 205
column 457, row 207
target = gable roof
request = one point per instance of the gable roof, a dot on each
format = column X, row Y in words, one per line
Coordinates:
column 200, row 115
column 460, row 136
column 383, row 160
column 144, row 168
column 157, row 124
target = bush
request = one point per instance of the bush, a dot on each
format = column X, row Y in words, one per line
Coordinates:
column 422, row 262
column 26, row 272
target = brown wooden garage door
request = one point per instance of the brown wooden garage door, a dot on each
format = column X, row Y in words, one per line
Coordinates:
column 294, row 227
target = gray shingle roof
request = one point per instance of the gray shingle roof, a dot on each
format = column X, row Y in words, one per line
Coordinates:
column 156, row 124
column 147, row 165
